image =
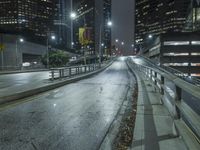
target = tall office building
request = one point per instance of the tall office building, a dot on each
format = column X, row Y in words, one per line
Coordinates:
column 93, row 14
column 158, row 16
column 31, row 18
column 107, row 29
column 193, row 20
column 62, row 23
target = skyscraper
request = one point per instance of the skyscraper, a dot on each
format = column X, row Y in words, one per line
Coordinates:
column 62, row 23
column 94, row 14
column 193, row 20
column 29, row 18
column 156, row 17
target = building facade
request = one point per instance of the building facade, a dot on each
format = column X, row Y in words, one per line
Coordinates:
column 193, row 19
column 154, row 17
column 31, row 19
column 62, row 23
column 94, row 15
column 177, row 50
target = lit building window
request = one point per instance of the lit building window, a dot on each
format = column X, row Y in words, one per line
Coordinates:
column 195, row 42
column 175, row 43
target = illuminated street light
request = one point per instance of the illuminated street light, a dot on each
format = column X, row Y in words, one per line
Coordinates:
column 116, row 40
column 18, row 41
column 73, row 15
column 53, row 37
column 102, row 44
column 109, row 23
column 21, row 40
column 150, row 36
column 132, row 45
column 122, row 43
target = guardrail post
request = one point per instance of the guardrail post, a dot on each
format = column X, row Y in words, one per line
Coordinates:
column 151, row 74
column 89, row 68
column 85, row 69
column 76, row 70
column 155, row 78
column 162, row 85
column 60, row 73
column 178, row 98
column 52, row 74
column 70, row 72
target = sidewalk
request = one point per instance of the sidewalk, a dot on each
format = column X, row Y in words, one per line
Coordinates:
column 154, row 127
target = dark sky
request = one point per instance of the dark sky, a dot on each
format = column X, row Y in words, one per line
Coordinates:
column 123, row 23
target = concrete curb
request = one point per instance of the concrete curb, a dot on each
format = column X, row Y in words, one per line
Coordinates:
column 28, row 93
column 113, row 130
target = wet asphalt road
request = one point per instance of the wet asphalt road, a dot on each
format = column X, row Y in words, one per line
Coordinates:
column 74, row 117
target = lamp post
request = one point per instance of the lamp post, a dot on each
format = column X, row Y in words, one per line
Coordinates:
column 150, row 36
column 109, row 24
column 21, row 40
column 53, row 37
column 72, row 16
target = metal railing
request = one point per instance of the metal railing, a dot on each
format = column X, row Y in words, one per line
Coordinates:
column 181, row 98
column 67, row 72
column 190, row 79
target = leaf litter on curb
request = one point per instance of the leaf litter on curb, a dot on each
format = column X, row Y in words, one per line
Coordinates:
column 125, row 136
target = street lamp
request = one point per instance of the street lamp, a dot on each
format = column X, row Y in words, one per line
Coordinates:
column 122, row 43
column 150, row 36
column 109, row 23
column 72, row 16
column 116, row 40
column 53, row 37
column 21, row 40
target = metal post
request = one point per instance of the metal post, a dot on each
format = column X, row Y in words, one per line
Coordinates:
column 47, row 52
column 100, row 45
column 70, row 72
column 85, row 61
column 16, row 51
column 2, row 60
column 72, row 30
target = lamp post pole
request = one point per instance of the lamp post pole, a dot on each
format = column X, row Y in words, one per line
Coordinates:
column 100, row 47
column 47, row 51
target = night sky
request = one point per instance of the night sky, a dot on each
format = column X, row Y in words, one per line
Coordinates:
column 123, row 23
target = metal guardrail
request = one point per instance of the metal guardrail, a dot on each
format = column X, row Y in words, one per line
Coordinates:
column 190, row 79
column 181, row 98
column 64, row 72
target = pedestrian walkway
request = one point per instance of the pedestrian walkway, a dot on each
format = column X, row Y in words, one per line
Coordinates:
column 154, row 127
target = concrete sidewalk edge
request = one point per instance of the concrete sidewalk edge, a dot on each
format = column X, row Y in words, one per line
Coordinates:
column 113, row 130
